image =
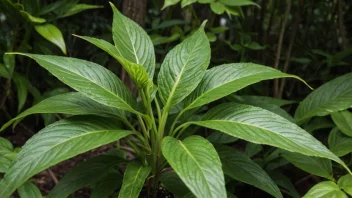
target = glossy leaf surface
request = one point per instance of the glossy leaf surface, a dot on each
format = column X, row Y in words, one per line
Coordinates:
column 343, row 120
column 51, row 33
column 345, row 183
column 326, row 189
column 133, row 180
column 339, row 143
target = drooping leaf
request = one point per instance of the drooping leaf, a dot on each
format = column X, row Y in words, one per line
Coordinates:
column 132, row 42
column 29, row 190
column 93, row 80
column 174, row 184
column 333, row 96
column 85, row 174
column 339, row 143
column 51, row 33
column 238, row 2
column 197, row 164
column 133, row 180
column 343, row 120
column 240, row 167
column 168, row 3
column 325, row 189
column 183, row 68
column 57, row 142
column 223, row 80
column 21, row 86
column 315, row 165
column 105, row 187
column 345, row 183
column 264, row 127
column 79, row 8
column 31, row 18
column 69, row 103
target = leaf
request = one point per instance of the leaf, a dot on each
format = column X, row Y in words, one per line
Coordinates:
column 79, row 8
column 5, row 146
column 318, row 123
column 58, row 142
column 51, row 33
column 285, row 184
column 174, row 184
column 217, row 7
column 136, row 71
column 185, row 3
column 92, row 80
column 325, row 189
column 9, row 62
column 259, row 100
column 168, row 3
column 221, row 138
column 333, row 96
column 31, row 18
column 240, row 167
column 107, row 185
column 238, row 3
column 345, row 183
column 29, row 190
column 197, row 164
column 225, row 79
column 260, row 126
column 183, row 68
column 21, row 85
column 85, row 174
column 132, row 42
column 3, row 71
column 339, row 143
column 314, row 165
column 4, row 164
column 343, row 120
column 253, row 149
column 133, row 180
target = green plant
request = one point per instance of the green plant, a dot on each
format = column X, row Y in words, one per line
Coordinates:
column 162, row 125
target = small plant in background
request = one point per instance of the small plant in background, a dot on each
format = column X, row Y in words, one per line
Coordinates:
column 166, row 124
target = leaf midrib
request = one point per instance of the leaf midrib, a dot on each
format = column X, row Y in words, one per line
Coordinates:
column 134, row 180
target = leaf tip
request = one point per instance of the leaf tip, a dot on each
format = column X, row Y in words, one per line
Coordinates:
column 203, row 24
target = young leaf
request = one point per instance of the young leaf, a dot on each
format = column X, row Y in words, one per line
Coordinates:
column 29, row 190
column 107, row 185
column 133, row 180
column 333, row 96
column 31, row 18
column 69, row 103
column 93, row 80
column 326, row 189
column 345, row 183
column 198, row 165
column 238, row 166
column 51, row 33
column 57, row 142
column 339, row 143
column 223, row 80
column 264, row 127
column 136, row 71
column 132, row 42
column 183, row 68
column 315, row 165
column 85, row 174
column 343, row 120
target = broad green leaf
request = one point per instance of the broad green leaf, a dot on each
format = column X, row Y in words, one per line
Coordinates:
column 31, row 18
column 185, row 3
column 325, row 189
column 197, row 164
column 58, row 142
column 79, row 8
column 93, row 80
column 69, row 103
column 253, row 149
column 339, row 143
column 345, row 183
column 264, row 127
column 4, row 164
column 221, row 138
column 107, row 185
column 333, row 96
column 174, row 184
column 51, row 33
column 225, row 79
column 29, row 190
column 21, row 83
column 238, row 2
column 133, row 180
column 284, row 183
column 168, row 3
column 258, row 100
column 183, row 68
column 132, row 42
column 85, row 174
column 217, row 7
column 343, row 120
column 315, row 165
column 136, row 71
column 240, row 167
column 5, row 146
column 318, row 123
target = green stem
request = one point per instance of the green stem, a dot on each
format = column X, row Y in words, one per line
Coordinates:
column 172, row 132
column 144, row 129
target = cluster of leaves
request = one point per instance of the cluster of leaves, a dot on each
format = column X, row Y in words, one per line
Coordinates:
column 172, row 115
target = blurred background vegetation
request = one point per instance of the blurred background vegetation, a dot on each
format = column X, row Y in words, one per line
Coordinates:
column 308, row 38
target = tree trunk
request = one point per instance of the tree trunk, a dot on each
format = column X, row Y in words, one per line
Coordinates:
column 135, row 10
